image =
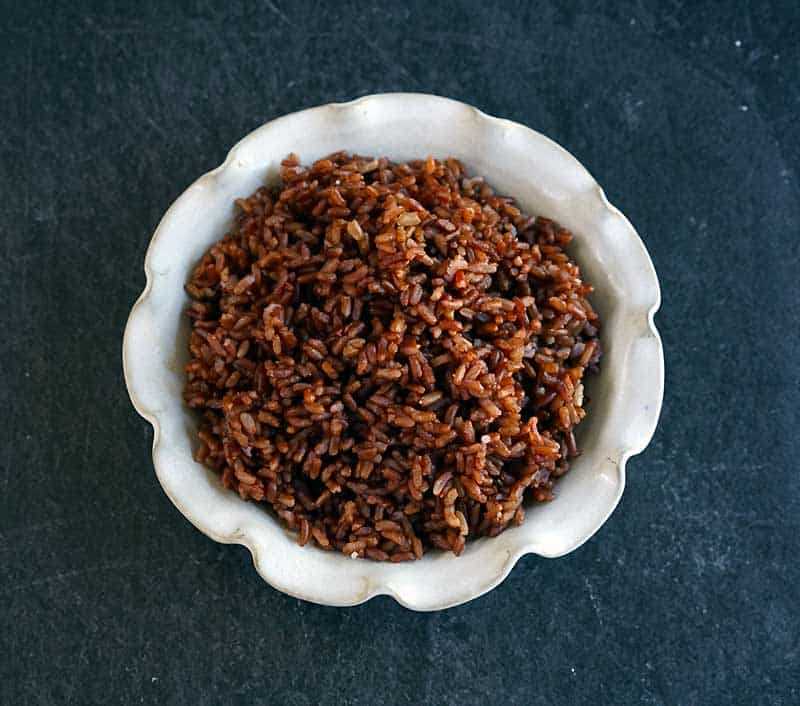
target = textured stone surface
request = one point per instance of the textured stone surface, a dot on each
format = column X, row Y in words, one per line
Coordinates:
column 686, row 114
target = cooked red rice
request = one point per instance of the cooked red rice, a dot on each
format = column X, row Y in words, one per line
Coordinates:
column 390, row 355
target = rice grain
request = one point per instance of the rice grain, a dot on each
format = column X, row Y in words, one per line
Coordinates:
column 389, row 355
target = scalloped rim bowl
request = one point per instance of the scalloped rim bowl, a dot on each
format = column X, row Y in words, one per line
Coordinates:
column 624, row 399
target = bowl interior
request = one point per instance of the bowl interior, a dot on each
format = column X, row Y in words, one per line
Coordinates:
column 545, row 180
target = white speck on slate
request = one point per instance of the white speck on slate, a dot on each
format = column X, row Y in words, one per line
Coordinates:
column 633, row 22
column 153, row 679
column 743, row 108
column 738, row 42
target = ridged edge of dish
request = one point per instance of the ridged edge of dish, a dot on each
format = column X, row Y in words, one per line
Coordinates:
column 645, row 323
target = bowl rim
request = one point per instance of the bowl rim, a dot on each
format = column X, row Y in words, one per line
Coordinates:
column 240, row 536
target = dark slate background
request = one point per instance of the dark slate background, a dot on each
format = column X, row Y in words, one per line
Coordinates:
column 687, row 114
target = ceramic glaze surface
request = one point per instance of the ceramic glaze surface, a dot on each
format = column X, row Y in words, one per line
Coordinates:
column 625, row 398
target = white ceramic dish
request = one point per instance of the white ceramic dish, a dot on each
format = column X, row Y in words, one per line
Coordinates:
column 545, row 179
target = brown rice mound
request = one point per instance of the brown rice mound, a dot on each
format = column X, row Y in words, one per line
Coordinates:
column 390, row 355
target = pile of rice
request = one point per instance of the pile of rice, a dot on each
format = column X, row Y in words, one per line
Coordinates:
column 390, row 355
